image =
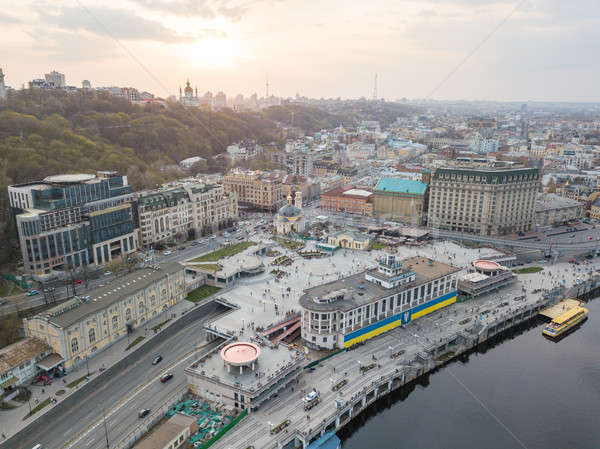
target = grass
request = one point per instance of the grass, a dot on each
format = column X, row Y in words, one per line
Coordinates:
column 227, row 251
column 78, row 381
column 60, row 392
column 529, row 270
column 378, row 245
column 208, row 266
column 37, row 408
column 134, row 342
column 8, row 289
column 289, row 244
column 159, row 325
column 201, row 293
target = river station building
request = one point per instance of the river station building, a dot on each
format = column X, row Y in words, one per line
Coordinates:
column 342, row 313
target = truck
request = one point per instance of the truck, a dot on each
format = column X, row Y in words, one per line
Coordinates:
column 311, row 399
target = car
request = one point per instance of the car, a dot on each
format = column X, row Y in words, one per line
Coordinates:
column 31, row 293
column 156, row 360
column 144, row 412
column 167, row 253
column 107, row 273
column 166, row 377
column 78, row 281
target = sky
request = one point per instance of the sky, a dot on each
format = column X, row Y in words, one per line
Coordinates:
column 527, row 50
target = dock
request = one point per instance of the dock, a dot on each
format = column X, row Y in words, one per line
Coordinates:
column 560, row 307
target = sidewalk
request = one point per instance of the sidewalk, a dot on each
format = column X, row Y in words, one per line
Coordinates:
column 11, row 421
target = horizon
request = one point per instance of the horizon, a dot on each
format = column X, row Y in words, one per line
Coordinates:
column 444, row 50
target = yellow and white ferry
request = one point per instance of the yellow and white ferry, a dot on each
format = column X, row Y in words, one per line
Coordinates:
column 565, row 321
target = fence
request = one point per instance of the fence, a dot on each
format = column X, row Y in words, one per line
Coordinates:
column 316, row 362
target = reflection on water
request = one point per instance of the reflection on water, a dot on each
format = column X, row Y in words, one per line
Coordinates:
column 535, row 394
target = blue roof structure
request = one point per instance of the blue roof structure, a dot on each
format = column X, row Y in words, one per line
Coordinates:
column 328, row 441
column 397, row 185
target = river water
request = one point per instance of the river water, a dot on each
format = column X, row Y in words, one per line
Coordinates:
column 518, row 391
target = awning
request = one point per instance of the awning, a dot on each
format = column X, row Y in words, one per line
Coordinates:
column 9, row 382
column 52, row 361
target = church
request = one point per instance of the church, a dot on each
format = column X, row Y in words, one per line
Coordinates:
column 189, row 98
column 290, row 218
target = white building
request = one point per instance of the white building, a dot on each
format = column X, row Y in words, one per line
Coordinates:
column 188, row 163
column 188, row 99
column 18, row 362
column 2, row 86
column 290, row 218
column 55, row 79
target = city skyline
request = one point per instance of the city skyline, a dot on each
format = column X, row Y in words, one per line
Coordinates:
column 439, row 49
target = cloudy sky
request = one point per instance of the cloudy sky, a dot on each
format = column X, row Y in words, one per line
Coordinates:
column 524, row 50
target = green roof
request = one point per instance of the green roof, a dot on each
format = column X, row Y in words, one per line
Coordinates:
column 397, row 185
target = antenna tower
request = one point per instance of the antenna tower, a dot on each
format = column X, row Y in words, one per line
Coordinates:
column 375, row 89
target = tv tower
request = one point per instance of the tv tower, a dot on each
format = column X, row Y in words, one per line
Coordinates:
column 375, row 88
column 267, row 91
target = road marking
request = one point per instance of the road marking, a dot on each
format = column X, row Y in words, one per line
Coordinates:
column 136, row 392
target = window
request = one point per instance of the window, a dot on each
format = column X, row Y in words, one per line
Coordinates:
column 92, row 335
column 128, row 315
column 141, row 307
column 74, row 345
column 115, row 322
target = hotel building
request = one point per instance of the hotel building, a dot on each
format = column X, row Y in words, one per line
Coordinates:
column 342, row 313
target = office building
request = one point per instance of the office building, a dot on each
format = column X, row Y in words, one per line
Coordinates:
column 349, row 199
column 255, row 189
column 55, row 80
column 220, row 100
column 552, row 209
column 70, row 221
column 401, row 200
column 483, row 200
column 350, row 310
column 82, row 327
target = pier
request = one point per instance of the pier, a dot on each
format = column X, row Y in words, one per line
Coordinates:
column 354, row 379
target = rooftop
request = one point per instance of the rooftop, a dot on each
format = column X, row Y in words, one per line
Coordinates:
column 365, row 292
column 166, row 432
column 72, row 311
column 70, row 179
column 398, row 185
column 553, row 201
column 21, row 351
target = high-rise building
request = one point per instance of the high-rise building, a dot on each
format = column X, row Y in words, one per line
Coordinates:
column 55, row 79
column 483, row 200
column 71, row 221
column 85, row 84
column 2, row 86
column 220, row 100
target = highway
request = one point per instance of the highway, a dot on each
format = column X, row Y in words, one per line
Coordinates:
column 121, row 396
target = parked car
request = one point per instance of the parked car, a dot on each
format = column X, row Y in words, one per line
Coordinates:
column 78, row 281
column 31, row 293
column 166, row 377
column 107, row 273
column 166, row 253
column 156, row 360
column 144, row 412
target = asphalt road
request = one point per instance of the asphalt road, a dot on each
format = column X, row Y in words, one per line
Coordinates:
column 79, row 425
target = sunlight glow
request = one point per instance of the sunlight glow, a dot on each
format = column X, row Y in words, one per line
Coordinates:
column 210, row 52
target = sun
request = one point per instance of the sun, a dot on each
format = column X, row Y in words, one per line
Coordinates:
column 211, row 52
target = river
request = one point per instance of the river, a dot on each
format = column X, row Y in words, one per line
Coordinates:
column 518, row 391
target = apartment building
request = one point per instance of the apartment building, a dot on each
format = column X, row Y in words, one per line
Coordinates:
column 173, row 212
column 492, row 200
column 255, row 189
column 81, row 327
column 74, row 220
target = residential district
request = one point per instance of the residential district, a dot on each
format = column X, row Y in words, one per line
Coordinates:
column 269, row 308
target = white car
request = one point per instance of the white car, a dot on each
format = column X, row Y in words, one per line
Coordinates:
column 107, row 273
column 166, row 253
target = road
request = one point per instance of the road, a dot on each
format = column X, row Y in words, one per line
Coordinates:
column 116, row 391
